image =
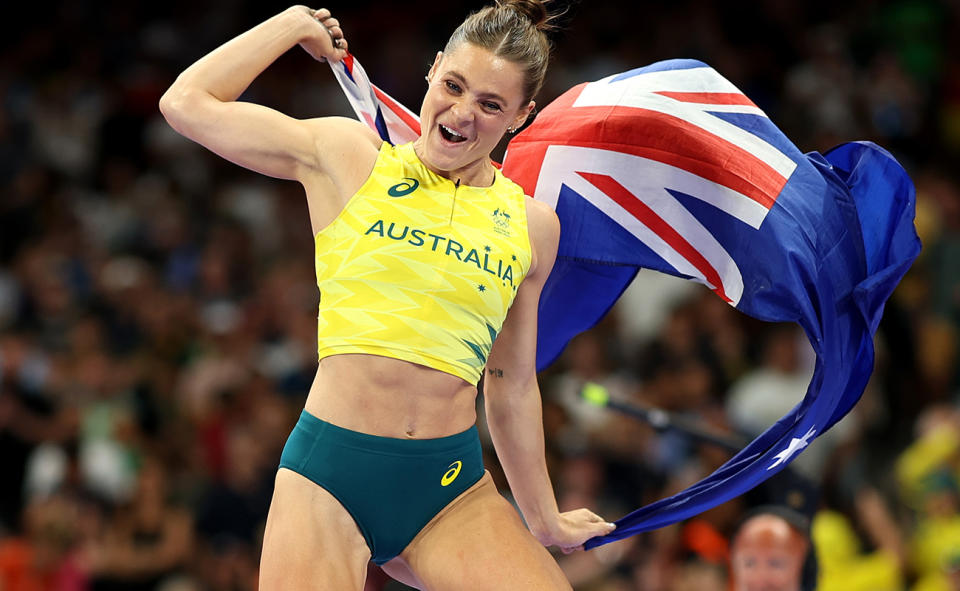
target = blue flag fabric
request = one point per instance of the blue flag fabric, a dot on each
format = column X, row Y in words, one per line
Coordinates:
column 670, row 167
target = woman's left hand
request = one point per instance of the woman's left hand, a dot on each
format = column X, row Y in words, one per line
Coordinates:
column 573, row 528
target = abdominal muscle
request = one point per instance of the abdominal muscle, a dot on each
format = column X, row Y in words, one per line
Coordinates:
column 369, row 393
column 390, row 398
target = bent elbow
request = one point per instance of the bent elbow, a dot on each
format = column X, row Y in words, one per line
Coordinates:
column 172, row 106
column 179, row 106
column 168, row 103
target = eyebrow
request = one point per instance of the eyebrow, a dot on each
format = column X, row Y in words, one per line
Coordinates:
column 492, row 95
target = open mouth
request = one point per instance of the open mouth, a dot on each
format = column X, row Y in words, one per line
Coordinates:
column 450, row 135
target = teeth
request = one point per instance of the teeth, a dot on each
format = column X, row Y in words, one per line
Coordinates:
column 452, row 132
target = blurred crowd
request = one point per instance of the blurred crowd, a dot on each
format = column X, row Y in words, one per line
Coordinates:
column 158, row 304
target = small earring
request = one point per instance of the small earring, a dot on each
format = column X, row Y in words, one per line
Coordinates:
column 511, row 130
column 427, row 78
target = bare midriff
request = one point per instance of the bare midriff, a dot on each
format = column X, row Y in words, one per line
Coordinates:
column 391, row 398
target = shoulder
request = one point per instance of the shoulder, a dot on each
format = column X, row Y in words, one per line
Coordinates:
column 543, row 226
column 344, row 131
column 345, row 151
column 542, row 220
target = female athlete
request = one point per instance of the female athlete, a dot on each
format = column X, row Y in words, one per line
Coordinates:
column 425, row 253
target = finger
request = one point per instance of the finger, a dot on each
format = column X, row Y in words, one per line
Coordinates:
column 321, row 14
column 331, row 23
column 585, row 515
column 340, row 50
column 602, row 526
column 335, row 32
column 594, row 518
column 600, row 529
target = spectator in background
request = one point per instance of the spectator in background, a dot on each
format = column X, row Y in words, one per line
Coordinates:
column 46, row 556
column 771, row 550
column 588, row 360
column 927, row 474
column 761, row 396
column 232, row 513
column 846, row 563
column 146, row 543
column 29, row 415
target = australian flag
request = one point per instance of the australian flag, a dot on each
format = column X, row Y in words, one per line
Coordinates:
column 672, row 168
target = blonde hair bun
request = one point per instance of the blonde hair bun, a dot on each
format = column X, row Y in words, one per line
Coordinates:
column 534, row 10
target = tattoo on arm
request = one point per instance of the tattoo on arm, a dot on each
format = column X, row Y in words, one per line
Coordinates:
column 495, row 372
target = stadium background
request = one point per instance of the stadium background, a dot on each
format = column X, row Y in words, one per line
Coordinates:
column 157, row 304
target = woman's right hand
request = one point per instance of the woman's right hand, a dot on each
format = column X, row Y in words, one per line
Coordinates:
column 324, row 39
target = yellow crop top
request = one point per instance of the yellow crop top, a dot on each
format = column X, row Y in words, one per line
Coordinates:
column 420, row 269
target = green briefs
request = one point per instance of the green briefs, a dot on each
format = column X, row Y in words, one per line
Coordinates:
column 391, row 487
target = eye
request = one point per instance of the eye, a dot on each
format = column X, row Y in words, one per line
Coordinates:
column 452, row 86
column 491, row 106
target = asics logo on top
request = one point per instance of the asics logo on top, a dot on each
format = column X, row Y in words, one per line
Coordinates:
column 451, row 474
column 403, row 189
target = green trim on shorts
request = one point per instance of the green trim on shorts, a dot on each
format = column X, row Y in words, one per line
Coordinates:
column 391, row 487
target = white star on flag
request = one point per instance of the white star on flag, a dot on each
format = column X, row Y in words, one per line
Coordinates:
column 796, row 444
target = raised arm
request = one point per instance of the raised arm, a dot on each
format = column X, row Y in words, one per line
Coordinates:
column 513, row 406
column 201, row 104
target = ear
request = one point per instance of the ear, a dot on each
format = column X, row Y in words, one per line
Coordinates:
column 433, row 67
column 524, row 114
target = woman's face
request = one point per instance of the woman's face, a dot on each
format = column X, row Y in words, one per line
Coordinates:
column 473, row 97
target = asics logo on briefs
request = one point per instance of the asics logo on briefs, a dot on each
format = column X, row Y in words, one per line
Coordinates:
column 403, row 189
column 453, row 470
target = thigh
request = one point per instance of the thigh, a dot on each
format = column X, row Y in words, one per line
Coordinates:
column 310, row 541
column 477, row 543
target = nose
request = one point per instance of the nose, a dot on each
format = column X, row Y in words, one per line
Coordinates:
column 462, row 112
